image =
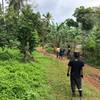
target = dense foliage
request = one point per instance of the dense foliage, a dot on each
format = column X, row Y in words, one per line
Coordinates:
column 22, row 30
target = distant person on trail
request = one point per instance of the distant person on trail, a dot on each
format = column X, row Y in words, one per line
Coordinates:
column 75, row 69
column 57, row 52
column 61, row 53
column 68, row 51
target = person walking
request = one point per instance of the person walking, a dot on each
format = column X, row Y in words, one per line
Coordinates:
column 75, row 70
column 68, row 51
column 61, row 53
column 57, row 52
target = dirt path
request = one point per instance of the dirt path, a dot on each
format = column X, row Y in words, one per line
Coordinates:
column 91, row 77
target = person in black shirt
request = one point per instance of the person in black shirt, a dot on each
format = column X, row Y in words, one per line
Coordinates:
column 75, row 68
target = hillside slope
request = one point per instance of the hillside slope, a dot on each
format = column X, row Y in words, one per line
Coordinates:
column 44, row 79
column 57, row 79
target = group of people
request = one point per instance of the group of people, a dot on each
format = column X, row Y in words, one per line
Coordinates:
column 61, row 52
column 75, row 70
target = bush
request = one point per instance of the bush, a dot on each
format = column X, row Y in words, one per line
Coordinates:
column 49, row 49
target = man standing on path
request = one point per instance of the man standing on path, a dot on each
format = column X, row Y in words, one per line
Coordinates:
column 75, row 68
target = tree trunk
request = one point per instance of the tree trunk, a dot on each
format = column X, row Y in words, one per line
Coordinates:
column 3, row 6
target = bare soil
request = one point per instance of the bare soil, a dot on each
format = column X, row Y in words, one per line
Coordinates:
column 92, row 76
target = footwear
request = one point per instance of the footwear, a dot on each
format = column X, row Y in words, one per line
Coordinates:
column 80, row 94
column 73, row 94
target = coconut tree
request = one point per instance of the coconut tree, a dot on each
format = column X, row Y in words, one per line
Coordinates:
column 47, row 17
column 16, row 4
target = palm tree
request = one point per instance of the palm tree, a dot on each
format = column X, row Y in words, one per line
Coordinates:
column 48, row 18
column 16, row 4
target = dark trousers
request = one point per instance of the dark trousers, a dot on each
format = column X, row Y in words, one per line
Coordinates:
column 76, row 81
column 57, row 54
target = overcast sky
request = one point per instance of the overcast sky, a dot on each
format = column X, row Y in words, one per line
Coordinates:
column 62, row 9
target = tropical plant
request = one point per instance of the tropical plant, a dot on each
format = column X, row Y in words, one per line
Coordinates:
column 27, row 34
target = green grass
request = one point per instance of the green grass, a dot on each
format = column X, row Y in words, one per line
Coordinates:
column 22, row 81
column 44, row 79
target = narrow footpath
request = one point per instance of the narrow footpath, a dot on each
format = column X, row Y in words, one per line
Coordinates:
column 58, row 80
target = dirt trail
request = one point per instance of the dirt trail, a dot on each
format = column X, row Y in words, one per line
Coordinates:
column 92, row 75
